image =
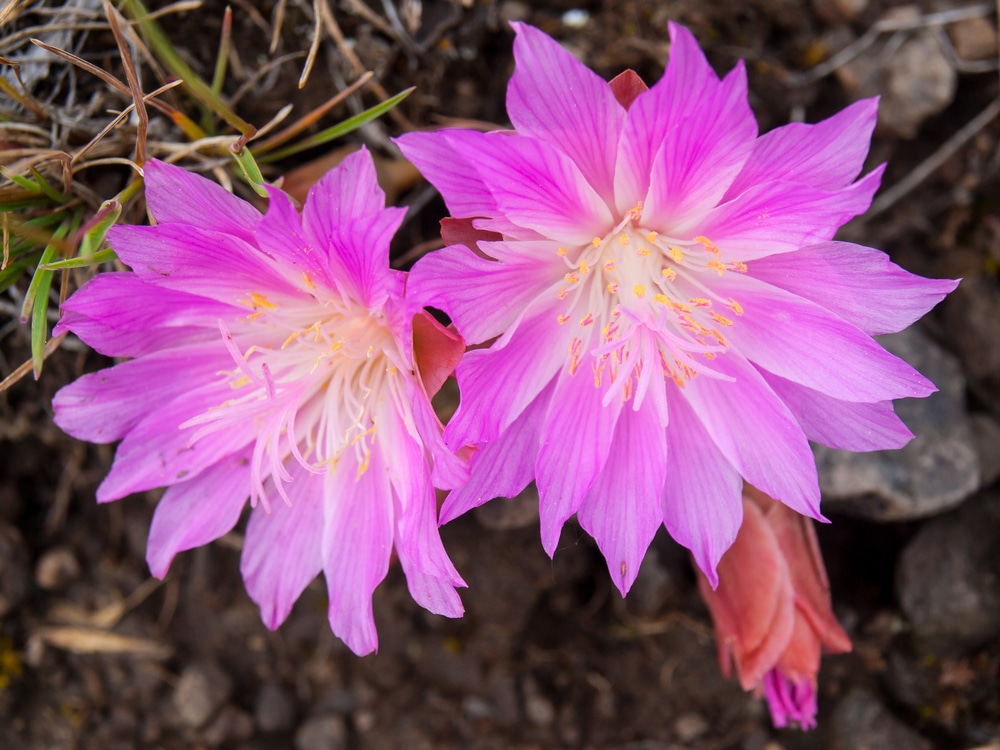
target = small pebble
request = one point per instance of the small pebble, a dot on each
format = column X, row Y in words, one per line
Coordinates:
column 689, row 727
column 200, row 692
column 56, row 568
column 576, row 18
column 322, row 733
column 974, row 39
column 274, row 710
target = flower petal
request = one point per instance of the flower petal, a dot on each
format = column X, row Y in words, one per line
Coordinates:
column 554, row 97
column 345, row 214
column 282, row 550
column 756, row 433
column 799, row 340
column 198, row 511
column 103, row 406
column 436, row 351
column 357, row 542
column 828, row 155
column 700, row 503
column 844, row 278
column 622, row 509
column 171, row 192
column 512, row 285
column 576, row 438
column 841, row 424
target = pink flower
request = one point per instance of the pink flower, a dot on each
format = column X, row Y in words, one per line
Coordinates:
column 651, row 279
column 273, row 357
column 772, row 609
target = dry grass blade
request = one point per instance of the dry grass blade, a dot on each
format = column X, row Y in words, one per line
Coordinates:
column 106, row 617
column 313, row 46
column 133, row 84
column 26, row 367
column 87, row 641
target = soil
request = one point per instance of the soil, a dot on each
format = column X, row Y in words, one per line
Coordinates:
column 96, row 654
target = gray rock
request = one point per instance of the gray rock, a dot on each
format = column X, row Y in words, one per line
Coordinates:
column 326, row 732
column 986, row 431
column 936, row 471
column 14, row 571
column 200, row 693
column 948, row 578
column 974, row 38
column 968, row 315
column 920, row 83
column 861, row 722
column 274, row 709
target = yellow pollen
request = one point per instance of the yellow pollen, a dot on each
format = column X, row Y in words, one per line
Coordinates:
column 718, row 265
column 735, row 306
column 635, row 212
column 677, row 254
column 609, row 266
column 651, row 237
column 643, row 251
column 722, row 319
column 669, row 274
column 708, row 244
column 738, row 266
column 571, row 278
column 259, row 300
column 586, row 320
column 612, row 287
column 639, row 291
column 597, row 242
column 308, row 281
column 623, row 239
column 661, row 299
column 562, row 318
column 242, row 381
column 563, row 293
column 700, row 302
column 584, row 267
column 561, row 251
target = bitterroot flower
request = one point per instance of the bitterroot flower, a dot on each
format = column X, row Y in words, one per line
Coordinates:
column 772, row 610
column 274, row 357
column 663, row 310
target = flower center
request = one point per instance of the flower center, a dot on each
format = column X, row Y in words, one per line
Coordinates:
column 650, row 297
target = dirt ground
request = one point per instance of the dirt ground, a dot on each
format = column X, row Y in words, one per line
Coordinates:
column 96, row 654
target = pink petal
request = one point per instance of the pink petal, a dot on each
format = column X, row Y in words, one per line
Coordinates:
column 105, row 314
column 554, row 97
column 345, row 214
column 203, row 262
column 532, row 356
column 701, row 503
column 843, row 278
column 778, row 217
column 802, row 342
column 626, row 86
column 512, row 284
column 448, row 470
column 282, row 550
column 756, row 433
column 198, row 511
column 828, row 155
column 157, row 453
column 687, row 81
column 576, row 438
column 841, row 424
column 103, row 406
column 538, row 187
column 172, row 191
column 702, row 153
column 502, row 467
column 357, row 542
column 622, row 509
column 436, row 351
column 280, row 235
column 440, row 157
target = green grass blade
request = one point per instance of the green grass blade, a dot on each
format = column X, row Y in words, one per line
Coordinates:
column 101, row 256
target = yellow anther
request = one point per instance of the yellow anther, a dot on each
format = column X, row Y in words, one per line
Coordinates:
column 612, row 287
column 597, row 242
column 563, row 293
column 609, row 266
column 718, row 265
column 239, row 383
column 651, row 237
column 722, row 319
column 738, row 266
column 586, row 320
column 661, row 299
column 259, row 300
column 677, row 254
column 584, row 267
column 735, row 306
column 623, row 239
column 700, row 302
column 669, row 274
column 643, row 251
column 635, row 212
column 308, row 281
column 561, row 251
column 562, row 318
column 639, row 291
column 571, row 278
column 708, row 244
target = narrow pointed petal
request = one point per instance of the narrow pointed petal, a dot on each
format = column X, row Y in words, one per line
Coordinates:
column 779, row 217
column 554, row 97
column 828, row 155
column 171, row 191
column 841, row 424
column 622, row 510
column 701, row 503
column 513, row 284
column 839, row 276
column 282, row 549
column 687, row 80
column 281, row 235
column 103, row 406
column 502, row 467
column 357, row 542
column 769, row 335
column 626, row 86
column 198, row 511
column 576, row 439
column 346, row 214
column 756, row 433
